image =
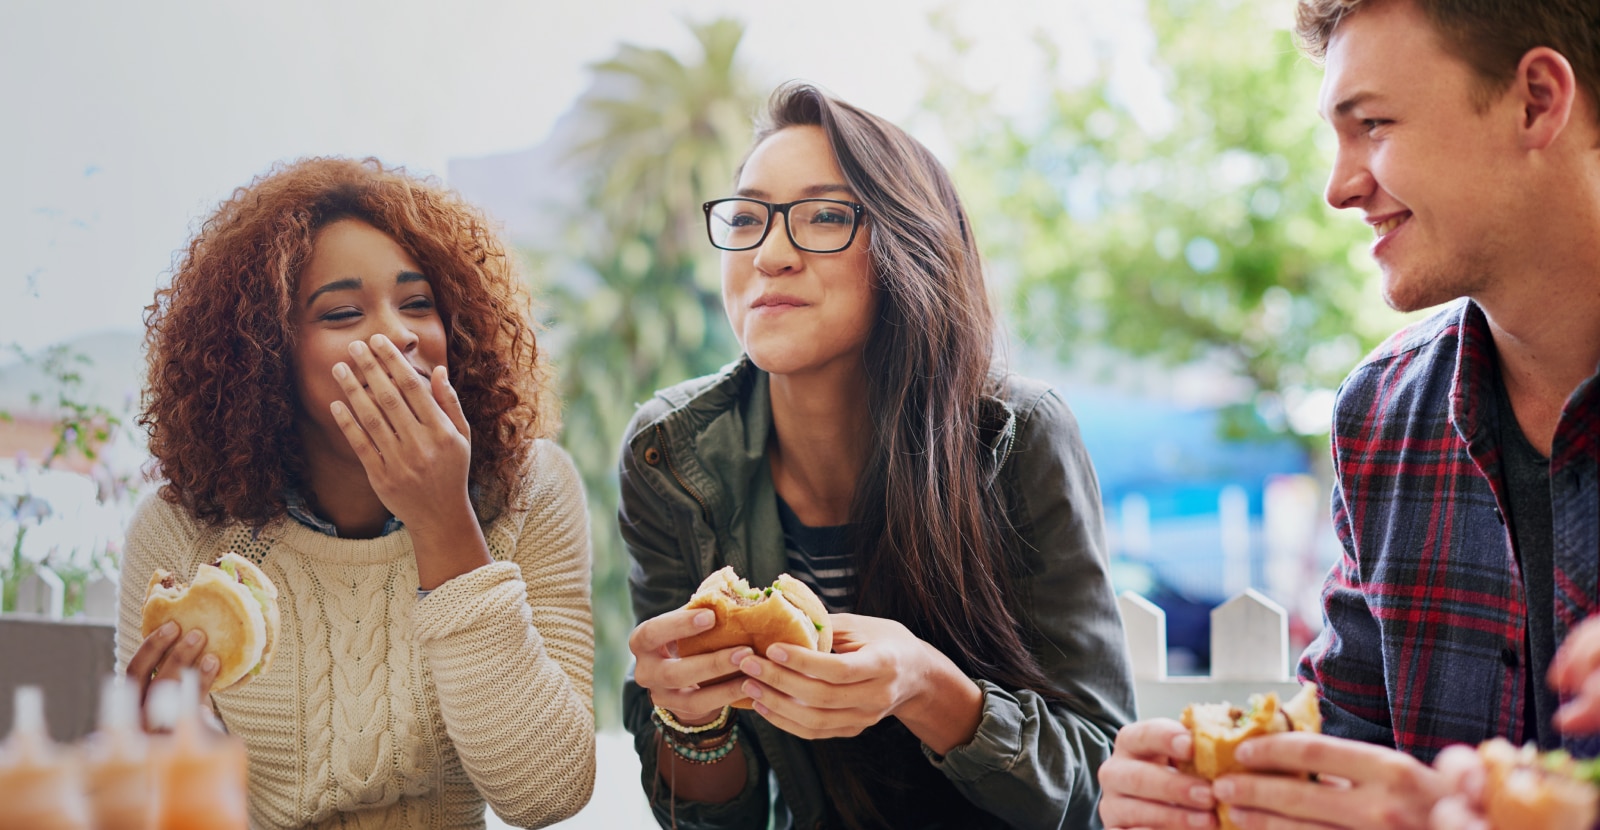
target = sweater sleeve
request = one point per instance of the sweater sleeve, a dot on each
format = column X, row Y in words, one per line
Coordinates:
column 1033, row 761
column 511, row 649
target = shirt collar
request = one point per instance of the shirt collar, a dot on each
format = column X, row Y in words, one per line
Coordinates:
column 300, row 511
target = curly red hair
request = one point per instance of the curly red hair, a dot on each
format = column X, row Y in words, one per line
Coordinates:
column 220, row 404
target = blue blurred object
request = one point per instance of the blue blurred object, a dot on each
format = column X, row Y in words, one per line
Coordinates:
column 1177, row 464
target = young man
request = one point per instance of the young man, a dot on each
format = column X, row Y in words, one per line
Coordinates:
column 1467, row 447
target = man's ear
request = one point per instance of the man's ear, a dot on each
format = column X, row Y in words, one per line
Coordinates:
column 1546, row 90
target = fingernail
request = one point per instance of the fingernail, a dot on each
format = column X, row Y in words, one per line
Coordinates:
column 704, row 618
column 341, row 371
column 208, row 663
column 358, row 348
column 778, row 654
column 751, row 667
column 193, row 638
column 1181, row 745
column 1200, row 795
column 1244, row 753
column 379, row 341
column 169, row 629
column 1223, row 790
column 740, row 654
column 761, row 708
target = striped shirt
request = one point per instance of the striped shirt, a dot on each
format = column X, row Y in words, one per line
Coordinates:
column 817, row 557
column 1425, row 615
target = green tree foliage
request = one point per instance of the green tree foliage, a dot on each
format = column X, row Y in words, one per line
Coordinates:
column 642, row 309
column 1204, row 239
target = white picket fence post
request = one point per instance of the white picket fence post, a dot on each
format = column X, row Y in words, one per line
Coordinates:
column 1249, row 654
column 100, row 597
column 43, row 593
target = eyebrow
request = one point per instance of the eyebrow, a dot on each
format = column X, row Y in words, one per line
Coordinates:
column 354, row 284
column 805, row 192
column 1344, row 107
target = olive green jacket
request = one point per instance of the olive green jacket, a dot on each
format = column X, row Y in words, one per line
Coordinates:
column 697, row 494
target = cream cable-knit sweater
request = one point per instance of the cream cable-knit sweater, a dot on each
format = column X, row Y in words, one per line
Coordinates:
column 380, row 710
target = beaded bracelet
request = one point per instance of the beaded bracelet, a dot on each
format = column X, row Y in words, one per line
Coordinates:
column 703, row 756
column 665, row 719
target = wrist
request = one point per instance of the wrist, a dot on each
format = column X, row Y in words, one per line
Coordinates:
column 945, row 712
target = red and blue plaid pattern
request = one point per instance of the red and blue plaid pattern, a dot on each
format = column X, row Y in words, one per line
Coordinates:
column 1424, row 634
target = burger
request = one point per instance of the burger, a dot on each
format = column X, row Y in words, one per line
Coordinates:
column 787, row 611
column 1526, row 788
column 233, row 602
column 1219, row 728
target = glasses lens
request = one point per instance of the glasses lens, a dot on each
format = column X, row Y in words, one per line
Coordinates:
column 736, row 224
column 821, row 224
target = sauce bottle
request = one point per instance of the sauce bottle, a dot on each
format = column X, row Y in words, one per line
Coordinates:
column 200, row 772
column 119, row 779
column 39, row 787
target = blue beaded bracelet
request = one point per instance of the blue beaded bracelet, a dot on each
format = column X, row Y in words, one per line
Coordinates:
column 703, row 756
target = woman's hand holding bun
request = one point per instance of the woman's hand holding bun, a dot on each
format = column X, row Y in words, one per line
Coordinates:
column 166, row 653
column 878, row 669
column 693, row 688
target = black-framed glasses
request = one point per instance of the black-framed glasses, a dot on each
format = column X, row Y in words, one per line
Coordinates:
column 821, row 226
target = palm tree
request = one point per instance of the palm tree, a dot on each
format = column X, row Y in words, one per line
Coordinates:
column 641, row 308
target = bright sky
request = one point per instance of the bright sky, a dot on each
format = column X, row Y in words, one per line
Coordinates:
column 125, row 123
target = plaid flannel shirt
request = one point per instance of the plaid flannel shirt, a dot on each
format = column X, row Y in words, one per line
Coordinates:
column 1424, row 638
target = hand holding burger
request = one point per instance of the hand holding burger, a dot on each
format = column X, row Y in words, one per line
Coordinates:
column 785, row 612
column 231, row 603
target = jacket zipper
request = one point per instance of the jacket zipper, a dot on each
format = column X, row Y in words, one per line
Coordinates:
column 661, row 438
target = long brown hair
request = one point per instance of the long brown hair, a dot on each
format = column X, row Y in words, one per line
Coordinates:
column 220, row 402
column 933, row 547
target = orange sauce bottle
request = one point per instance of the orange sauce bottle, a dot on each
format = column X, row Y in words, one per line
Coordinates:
column 200, row 772
column 118, row 776
column 39, row 787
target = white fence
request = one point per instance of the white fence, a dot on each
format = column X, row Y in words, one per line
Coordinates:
column 1249, row 654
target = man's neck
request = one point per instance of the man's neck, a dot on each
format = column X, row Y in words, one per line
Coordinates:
column 821, row 438
column 1547, row 335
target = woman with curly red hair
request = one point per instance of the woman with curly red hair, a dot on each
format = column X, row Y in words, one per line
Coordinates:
column 345, row 388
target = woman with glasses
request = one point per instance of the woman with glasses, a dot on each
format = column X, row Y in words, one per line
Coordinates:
column 870, row 444
column 345, row 388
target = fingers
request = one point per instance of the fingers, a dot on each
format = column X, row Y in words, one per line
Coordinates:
column 1145, row 781
column 1141, row 789
column 396, row 385
column 149, row 656
column 1118, row 812
column 1453, row 813
column 1157, row 739
column 811, row 687
column 445, row 395
column 1306, row 752
column 360, row 419
column 1462, row 770
column 652, row 635
column 1581, row 715
column 186, row 653
column 372, row 397
column 698, row 704
column 1294, row 798
column 1578, row 659
column 801, row 720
